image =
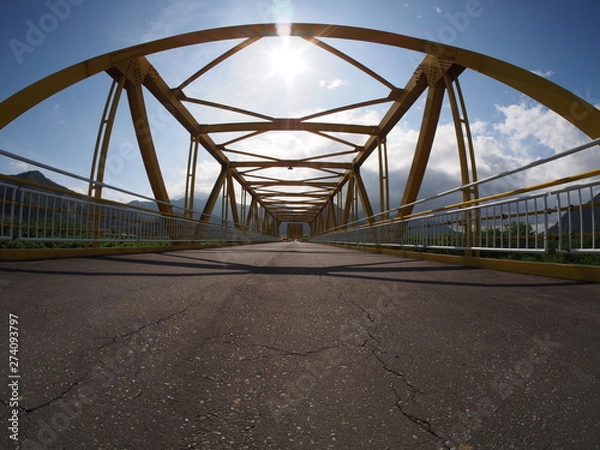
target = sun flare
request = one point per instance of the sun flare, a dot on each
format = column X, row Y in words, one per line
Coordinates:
column 287, row 61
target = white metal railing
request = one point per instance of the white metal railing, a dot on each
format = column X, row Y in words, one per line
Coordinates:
column 31, row 214
column 47, row 215
column 563, row 217
column 563, row 221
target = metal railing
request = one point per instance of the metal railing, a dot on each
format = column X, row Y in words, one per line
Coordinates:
column 30, row 214
column 557, row 216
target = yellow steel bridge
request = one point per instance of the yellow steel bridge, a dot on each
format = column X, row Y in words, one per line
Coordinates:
column 333, row 199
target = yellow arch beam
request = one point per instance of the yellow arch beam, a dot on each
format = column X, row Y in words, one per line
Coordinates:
column 573, row 108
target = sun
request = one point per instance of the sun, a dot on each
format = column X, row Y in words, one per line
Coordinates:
column 287, row 61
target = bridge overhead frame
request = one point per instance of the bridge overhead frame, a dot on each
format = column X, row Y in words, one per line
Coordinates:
column 333, row 198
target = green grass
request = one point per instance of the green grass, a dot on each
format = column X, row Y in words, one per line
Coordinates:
column 24, row 245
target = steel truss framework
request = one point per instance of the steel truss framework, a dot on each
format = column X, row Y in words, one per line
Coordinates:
column 333, row 198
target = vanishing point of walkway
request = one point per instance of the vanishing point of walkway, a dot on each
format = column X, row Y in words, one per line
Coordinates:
column 299, row 346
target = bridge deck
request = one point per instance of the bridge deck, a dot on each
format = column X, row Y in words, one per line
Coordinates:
column 296, row 345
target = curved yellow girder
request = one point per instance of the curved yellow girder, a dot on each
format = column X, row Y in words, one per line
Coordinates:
column 440, row 68
column 571, row 107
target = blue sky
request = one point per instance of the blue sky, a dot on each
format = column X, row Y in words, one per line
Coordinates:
column 555, row 38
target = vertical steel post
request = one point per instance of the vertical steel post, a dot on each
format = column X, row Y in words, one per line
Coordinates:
column 101, row 154
column 466, row 156
column 232, row 200
column 384, row 183
column 103, row 137
column 347, row 213
column 190, row 179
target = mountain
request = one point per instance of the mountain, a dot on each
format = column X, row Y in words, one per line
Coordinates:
column 38, row 177
column 34, row 176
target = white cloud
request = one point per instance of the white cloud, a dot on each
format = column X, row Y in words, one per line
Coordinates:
column 19, row 166
column 525, row 126
column 546, row 74
column 438, row 10
column 206, row 174
column 514, row 142
column 333, row 84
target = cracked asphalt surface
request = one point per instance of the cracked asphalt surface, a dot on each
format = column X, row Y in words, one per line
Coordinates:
column 298, row 346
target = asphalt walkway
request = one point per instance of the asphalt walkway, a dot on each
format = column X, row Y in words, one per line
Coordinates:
column 297, row 346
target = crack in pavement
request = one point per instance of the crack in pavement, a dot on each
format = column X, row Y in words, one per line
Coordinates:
column 280, row 351
column 55, row 398
column 283, row 352
column 414, row 389
column 422, row 423
column 115, row 339
column 372, row 345
column 374, row 349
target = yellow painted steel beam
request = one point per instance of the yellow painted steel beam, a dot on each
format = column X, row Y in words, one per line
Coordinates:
column 349, row 200
column 285, row 202
column 252, row 155
column 224, row 107
column 320, row 193
column 252, row 216
column 431, row 116
column 384, row 179
column 232, row 200
column 343, row 56
column 278, row 213
column 103, row 138
column 240, row 138
column 394, row 95
column 292, row 211
column 412, row 91
column 337, row 139
column 131, row 62
column 364, row 196
column 211, row 201
column 460, row 139
column 146, row 144
column 229, row 53
column 158, row 87
column 576, row 110
column 266, row 195
column 329, row 155
column 293, row 183
column 190, row 179
column 292, row 163
column 294, row 219
column 288, row 125
column 331, row 216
